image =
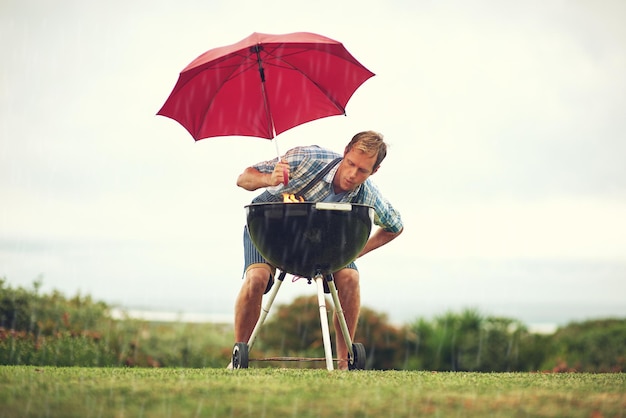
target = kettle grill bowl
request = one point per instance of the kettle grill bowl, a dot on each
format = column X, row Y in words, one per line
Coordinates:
column 306, row 239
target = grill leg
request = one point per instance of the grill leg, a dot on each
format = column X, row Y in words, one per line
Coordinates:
column 342, row 318
column 328, row 350
column 266, row 309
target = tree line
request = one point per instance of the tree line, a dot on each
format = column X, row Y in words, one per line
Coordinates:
column 463, row 341
column 52, row 329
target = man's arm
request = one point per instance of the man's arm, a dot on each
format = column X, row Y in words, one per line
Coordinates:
column 252, row 179
column 378, row 239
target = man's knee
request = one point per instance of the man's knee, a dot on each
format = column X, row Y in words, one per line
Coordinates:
column 346, row 278
column 258, row 278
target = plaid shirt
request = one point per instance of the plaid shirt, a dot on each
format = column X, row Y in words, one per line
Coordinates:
column 306, row 162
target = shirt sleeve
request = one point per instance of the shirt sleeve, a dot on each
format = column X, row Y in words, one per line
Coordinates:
column 294, row 158
column 265, row 166
column 385, row 215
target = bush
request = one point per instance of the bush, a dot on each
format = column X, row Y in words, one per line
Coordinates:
column 294, row 330
column 590, row 346
column 22, row 348
column 27, row 310
column 53, row 330
column 470, row 341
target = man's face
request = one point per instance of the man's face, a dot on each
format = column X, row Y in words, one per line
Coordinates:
column 353, row 170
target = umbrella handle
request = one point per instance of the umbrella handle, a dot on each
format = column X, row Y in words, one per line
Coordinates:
column 285, row 177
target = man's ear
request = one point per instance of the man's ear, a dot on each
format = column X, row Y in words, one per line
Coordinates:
column 375, row 170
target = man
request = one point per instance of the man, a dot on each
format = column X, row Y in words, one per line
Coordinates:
column 347, row 181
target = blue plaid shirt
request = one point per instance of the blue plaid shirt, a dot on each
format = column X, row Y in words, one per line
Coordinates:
column 306, row 162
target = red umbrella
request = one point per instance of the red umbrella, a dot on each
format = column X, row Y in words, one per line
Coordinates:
column 264, row 85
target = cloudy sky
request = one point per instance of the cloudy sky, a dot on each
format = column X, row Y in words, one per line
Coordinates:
column 506, row 122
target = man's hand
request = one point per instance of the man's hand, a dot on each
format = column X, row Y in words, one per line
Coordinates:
column 252, row 179
column 280, row 175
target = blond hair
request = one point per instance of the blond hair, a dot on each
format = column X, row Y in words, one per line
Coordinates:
column 370, row 142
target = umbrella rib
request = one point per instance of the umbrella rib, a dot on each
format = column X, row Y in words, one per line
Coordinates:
column 280, row 59
column 233, row 74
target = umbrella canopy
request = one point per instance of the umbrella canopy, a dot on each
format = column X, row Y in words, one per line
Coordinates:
column 264, row 85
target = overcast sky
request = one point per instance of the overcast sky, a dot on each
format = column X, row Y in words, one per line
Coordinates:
column 506, row 122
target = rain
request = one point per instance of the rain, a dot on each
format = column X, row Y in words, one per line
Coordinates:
column 505, row 122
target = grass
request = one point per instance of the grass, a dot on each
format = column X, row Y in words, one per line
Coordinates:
column 27, row 391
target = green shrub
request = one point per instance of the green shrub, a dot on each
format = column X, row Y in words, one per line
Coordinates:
column 27, row 310
column 50, row 329
column 470, row 341
column 590, row 346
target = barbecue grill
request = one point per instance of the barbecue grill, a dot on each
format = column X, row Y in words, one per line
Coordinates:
column 311, row 240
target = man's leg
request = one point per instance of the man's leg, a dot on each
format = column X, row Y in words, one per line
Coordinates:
column 347, row 282
column 248, row 302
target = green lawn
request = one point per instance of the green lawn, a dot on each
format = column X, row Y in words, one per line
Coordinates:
column 27, row 391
